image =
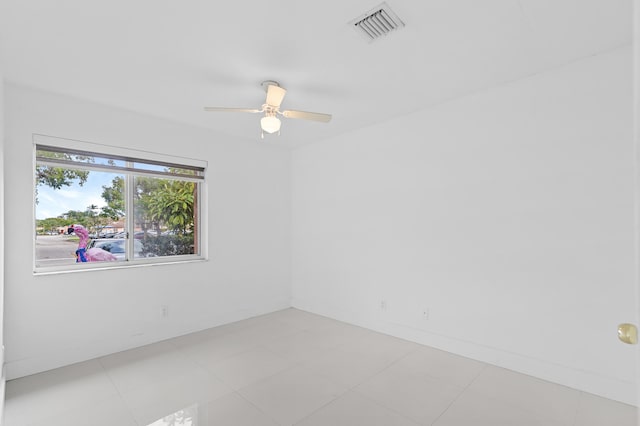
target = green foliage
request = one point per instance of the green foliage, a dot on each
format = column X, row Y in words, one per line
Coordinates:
column 144, row 187
column 57, row 177
column 167, row 245
column 172, row 205
column 76, row 216
column 51, row 224
column 114, row 196
column 88, row 218
column 96, row 220
column 159, row 204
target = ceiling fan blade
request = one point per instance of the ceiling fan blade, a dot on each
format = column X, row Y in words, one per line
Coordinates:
column 275, row 94
column 313, row 116
column 232, row 109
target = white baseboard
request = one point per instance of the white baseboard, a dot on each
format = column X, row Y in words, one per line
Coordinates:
column 586, row 381
column 102, row 347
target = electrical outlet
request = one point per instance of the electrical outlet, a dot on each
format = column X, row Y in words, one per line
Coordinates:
column 164, row 309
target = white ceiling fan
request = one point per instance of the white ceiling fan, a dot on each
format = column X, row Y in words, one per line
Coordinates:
column 270, row 123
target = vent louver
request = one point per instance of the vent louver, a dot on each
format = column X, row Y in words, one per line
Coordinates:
column 376, row 23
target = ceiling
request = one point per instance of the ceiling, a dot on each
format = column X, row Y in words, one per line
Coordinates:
column 170, row 58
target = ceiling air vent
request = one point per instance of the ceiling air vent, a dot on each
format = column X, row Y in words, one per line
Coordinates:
column 376, row 23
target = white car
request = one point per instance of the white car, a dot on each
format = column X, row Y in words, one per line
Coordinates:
column 116, row 246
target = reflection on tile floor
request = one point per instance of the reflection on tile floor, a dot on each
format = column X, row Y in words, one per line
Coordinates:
column 295, row 368
column 185, row 417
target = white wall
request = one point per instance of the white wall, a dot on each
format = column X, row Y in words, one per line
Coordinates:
column 55, row 320
column 507, row 215
column 2, row 374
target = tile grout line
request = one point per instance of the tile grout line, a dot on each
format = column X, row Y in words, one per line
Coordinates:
column 129, row 409
column 468, row 389
column 575, row 413
column 373, row 401
column 528, row 410
column 262, row 379
column 486, row 366
column 352, row 389
column 308, row 370
column 298, row 364
column 322, row 406
column 255, row 406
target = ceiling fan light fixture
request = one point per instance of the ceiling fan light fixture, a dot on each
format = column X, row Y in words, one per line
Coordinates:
column 270, row 124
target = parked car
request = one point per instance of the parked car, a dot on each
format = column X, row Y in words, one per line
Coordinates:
column 174, row 232
column 106, row 234
column 116, row 246
column 138, row 235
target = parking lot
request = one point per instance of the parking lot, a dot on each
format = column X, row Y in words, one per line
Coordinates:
column 53, row 250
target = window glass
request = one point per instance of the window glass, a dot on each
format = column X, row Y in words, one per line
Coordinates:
column 164, row 211
column 65, row 197
column 96, row 208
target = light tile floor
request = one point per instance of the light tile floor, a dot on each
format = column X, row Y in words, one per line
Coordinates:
column 295, row 368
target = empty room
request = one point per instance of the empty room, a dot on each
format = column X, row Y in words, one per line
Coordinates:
column 319, row 213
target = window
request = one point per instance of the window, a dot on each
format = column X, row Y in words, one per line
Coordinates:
column 99, row 206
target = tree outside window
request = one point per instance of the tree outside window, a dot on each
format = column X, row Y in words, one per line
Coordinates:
column 155, row 202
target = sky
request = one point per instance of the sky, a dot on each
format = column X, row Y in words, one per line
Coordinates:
column 54, row 202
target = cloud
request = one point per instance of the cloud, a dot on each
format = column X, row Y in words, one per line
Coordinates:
column 44, row 214
column 72, row 195
column 44, row 196
column 96, row 201
column 54, row 202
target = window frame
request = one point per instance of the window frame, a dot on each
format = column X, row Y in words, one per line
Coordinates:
column 72, row 146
